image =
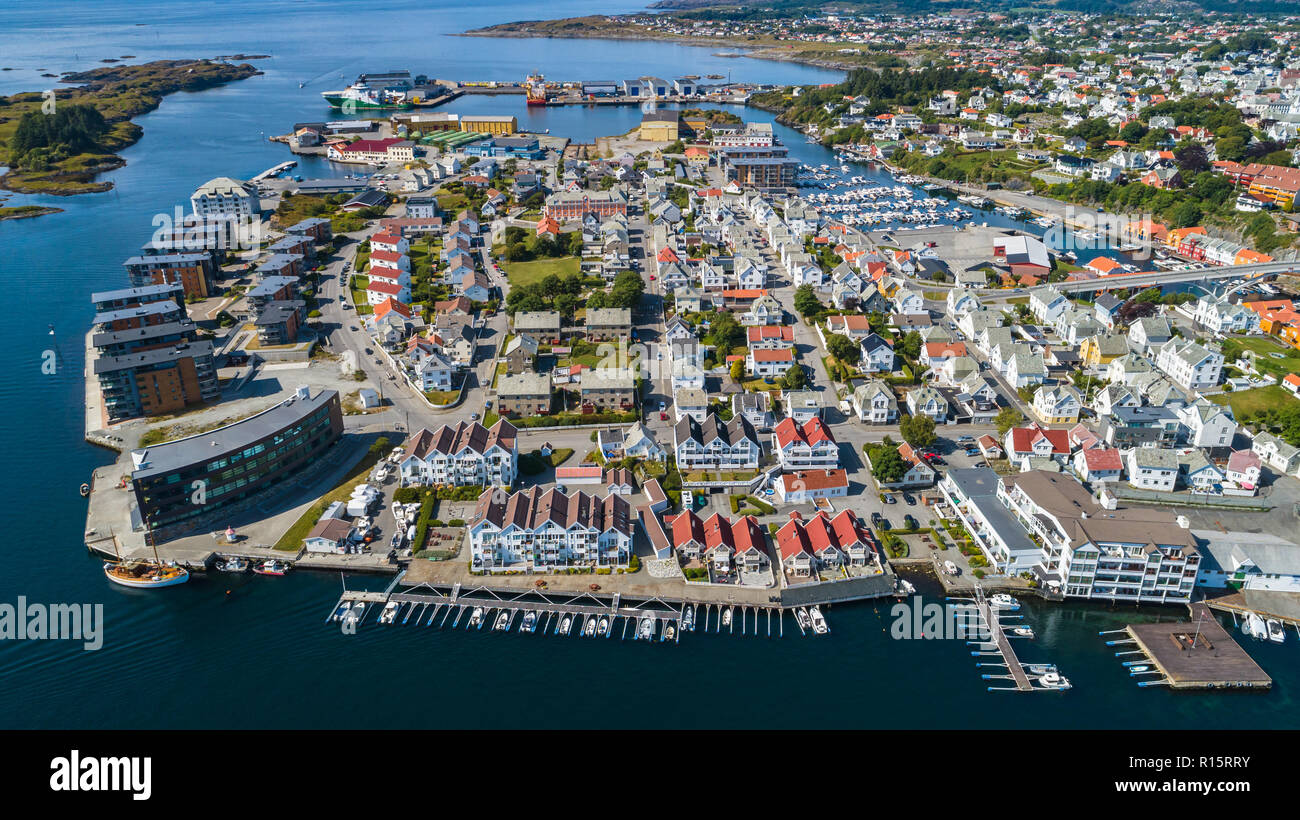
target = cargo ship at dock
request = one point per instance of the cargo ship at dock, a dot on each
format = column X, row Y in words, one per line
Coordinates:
column 359, row 96
column 535, row 87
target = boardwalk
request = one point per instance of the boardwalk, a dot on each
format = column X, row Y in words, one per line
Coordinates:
column 994, row 624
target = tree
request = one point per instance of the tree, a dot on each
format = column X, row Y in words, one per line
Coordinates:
column 910, row 347
column 888, row 466
column 844, row 349
column 805, row 301
column 1007, row 418
column 917, row 430
column 738, row 371
column 794, row 378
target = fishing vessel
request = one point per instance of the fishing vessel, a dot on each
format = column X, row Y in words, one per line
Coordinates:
column 233, row 564
column 272, row 566
column 145, row 574
column 359, row 96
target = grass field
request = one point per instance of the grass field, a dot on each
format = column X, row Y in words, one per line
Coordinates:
column 526, row 273
column 1248, row 403
column 1264, row 347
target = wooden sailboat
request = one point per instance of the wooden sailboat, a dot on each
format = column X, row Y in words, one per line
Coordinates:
column 139, row 574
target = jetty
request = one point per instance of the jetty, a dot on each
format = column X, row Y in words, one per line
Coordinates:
column 1196, row 654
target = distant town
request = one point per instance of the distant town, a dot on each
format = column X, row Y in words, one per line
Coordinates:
column 1027, row 325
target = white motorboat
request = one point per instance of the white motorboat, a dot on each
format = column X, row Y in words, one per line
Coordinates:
column 602, row 628
column 646, row 629
column 342, row 611
column 389, row 614
column 1254, row 627
column 819, row 624
column 1140, row 668
column 688, row 619
column 1023, row 632
column 233, row 564
column 726, row 617
column 476, row 617
column 1003, row 601
column 669, row 632
column 503, row 621
column 566, row 623
column 801, row 616
column 1053, row 680
column 1276, row 633
column 529, row 623
column 906, row 587
column 1039, row 668
column 949, row 567
column 589, row 628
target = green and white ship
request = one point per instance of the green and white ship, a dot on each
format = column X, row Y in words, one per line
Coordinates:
column 360, row 96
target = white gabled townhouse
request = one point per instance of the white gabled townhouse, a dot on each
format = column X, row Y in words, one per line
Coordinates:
column 874, row 403
column 462, row 455
column 716, row 445
column 806, row 446
column 1046, row 304
column 1190, row 365
column 536, row 531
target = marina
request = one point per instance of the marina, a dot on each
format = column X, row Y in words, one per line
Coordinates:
column 588, row 614
column 989, row 612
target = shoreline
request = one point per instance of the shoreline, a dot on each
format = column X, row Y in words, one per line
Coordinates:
column 27, row 212
column 749, row 50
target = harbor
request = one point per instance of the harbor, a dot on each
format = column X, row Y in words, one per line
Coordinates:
column 994, row 642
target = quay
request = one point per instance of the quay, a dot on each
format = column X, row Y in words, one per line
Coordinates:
column 1196, row 654
column 274, row 171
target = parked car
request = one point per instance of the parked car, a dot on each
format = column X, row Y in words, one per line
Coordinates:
column 909, row 499
column 909, row 522
column 889, row 499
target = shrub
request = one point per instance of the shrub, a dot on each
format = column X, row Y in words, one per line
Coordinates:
column 456, row 522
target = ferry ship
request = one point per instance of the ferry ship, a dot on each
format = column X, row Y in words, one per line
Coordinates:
column 535, row 87
column 360, row 96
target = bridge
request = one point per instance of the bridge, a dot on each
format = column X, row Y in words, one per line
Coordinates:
column 1145, row 279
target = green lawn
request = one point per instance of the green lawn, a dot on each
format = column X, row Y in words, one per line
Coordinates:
column 1263, row 346
column 1247, row 403
column 526, row 273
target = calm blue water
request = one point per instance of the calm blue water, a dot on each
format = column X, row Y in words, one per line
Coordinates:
column 256, row 652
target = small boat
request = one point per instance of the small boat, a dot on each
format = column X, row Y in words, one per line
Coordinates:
column 1142, row 667
column 949, row 567
column 530, row 622
column 906, row 587
column 801, row 615
column 646, row 629
column 357, row 609
column 342, row 611
column 602, row 628
column 390, row 613
column 819, row 624
column 85, row 490
column 1276, row 633
column 726, row 617
column 1254, row 627
column 669, row 632
column 272, row 566
column 503, row 622
column 235, row 564
column 476, row 617
column 1053, row 680
column 1004, row 601
column 589, row 628
column 1039, row 668
column 145, row 574
column 566, row 623
column 688, row 619
column 1023, row 632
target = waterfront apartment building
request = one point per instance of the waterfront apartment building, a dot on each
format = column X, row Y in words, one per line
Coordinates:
column 232, row 463
column 194, row 272
column 1101, row 552
column 226, row 197
column 540, row 531
column 158, row 380
column 462, row 455
column 111, row 300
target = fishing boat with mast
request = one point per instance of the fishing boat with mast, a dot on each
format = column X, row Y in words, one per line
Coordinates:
column 141, row 574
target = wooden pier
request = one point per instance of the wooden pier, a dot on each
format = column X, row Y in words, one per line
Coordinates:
column 1197, row 654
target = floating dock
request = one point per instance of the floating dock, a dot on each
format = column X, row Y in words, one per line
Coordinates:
column 1197, row 654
